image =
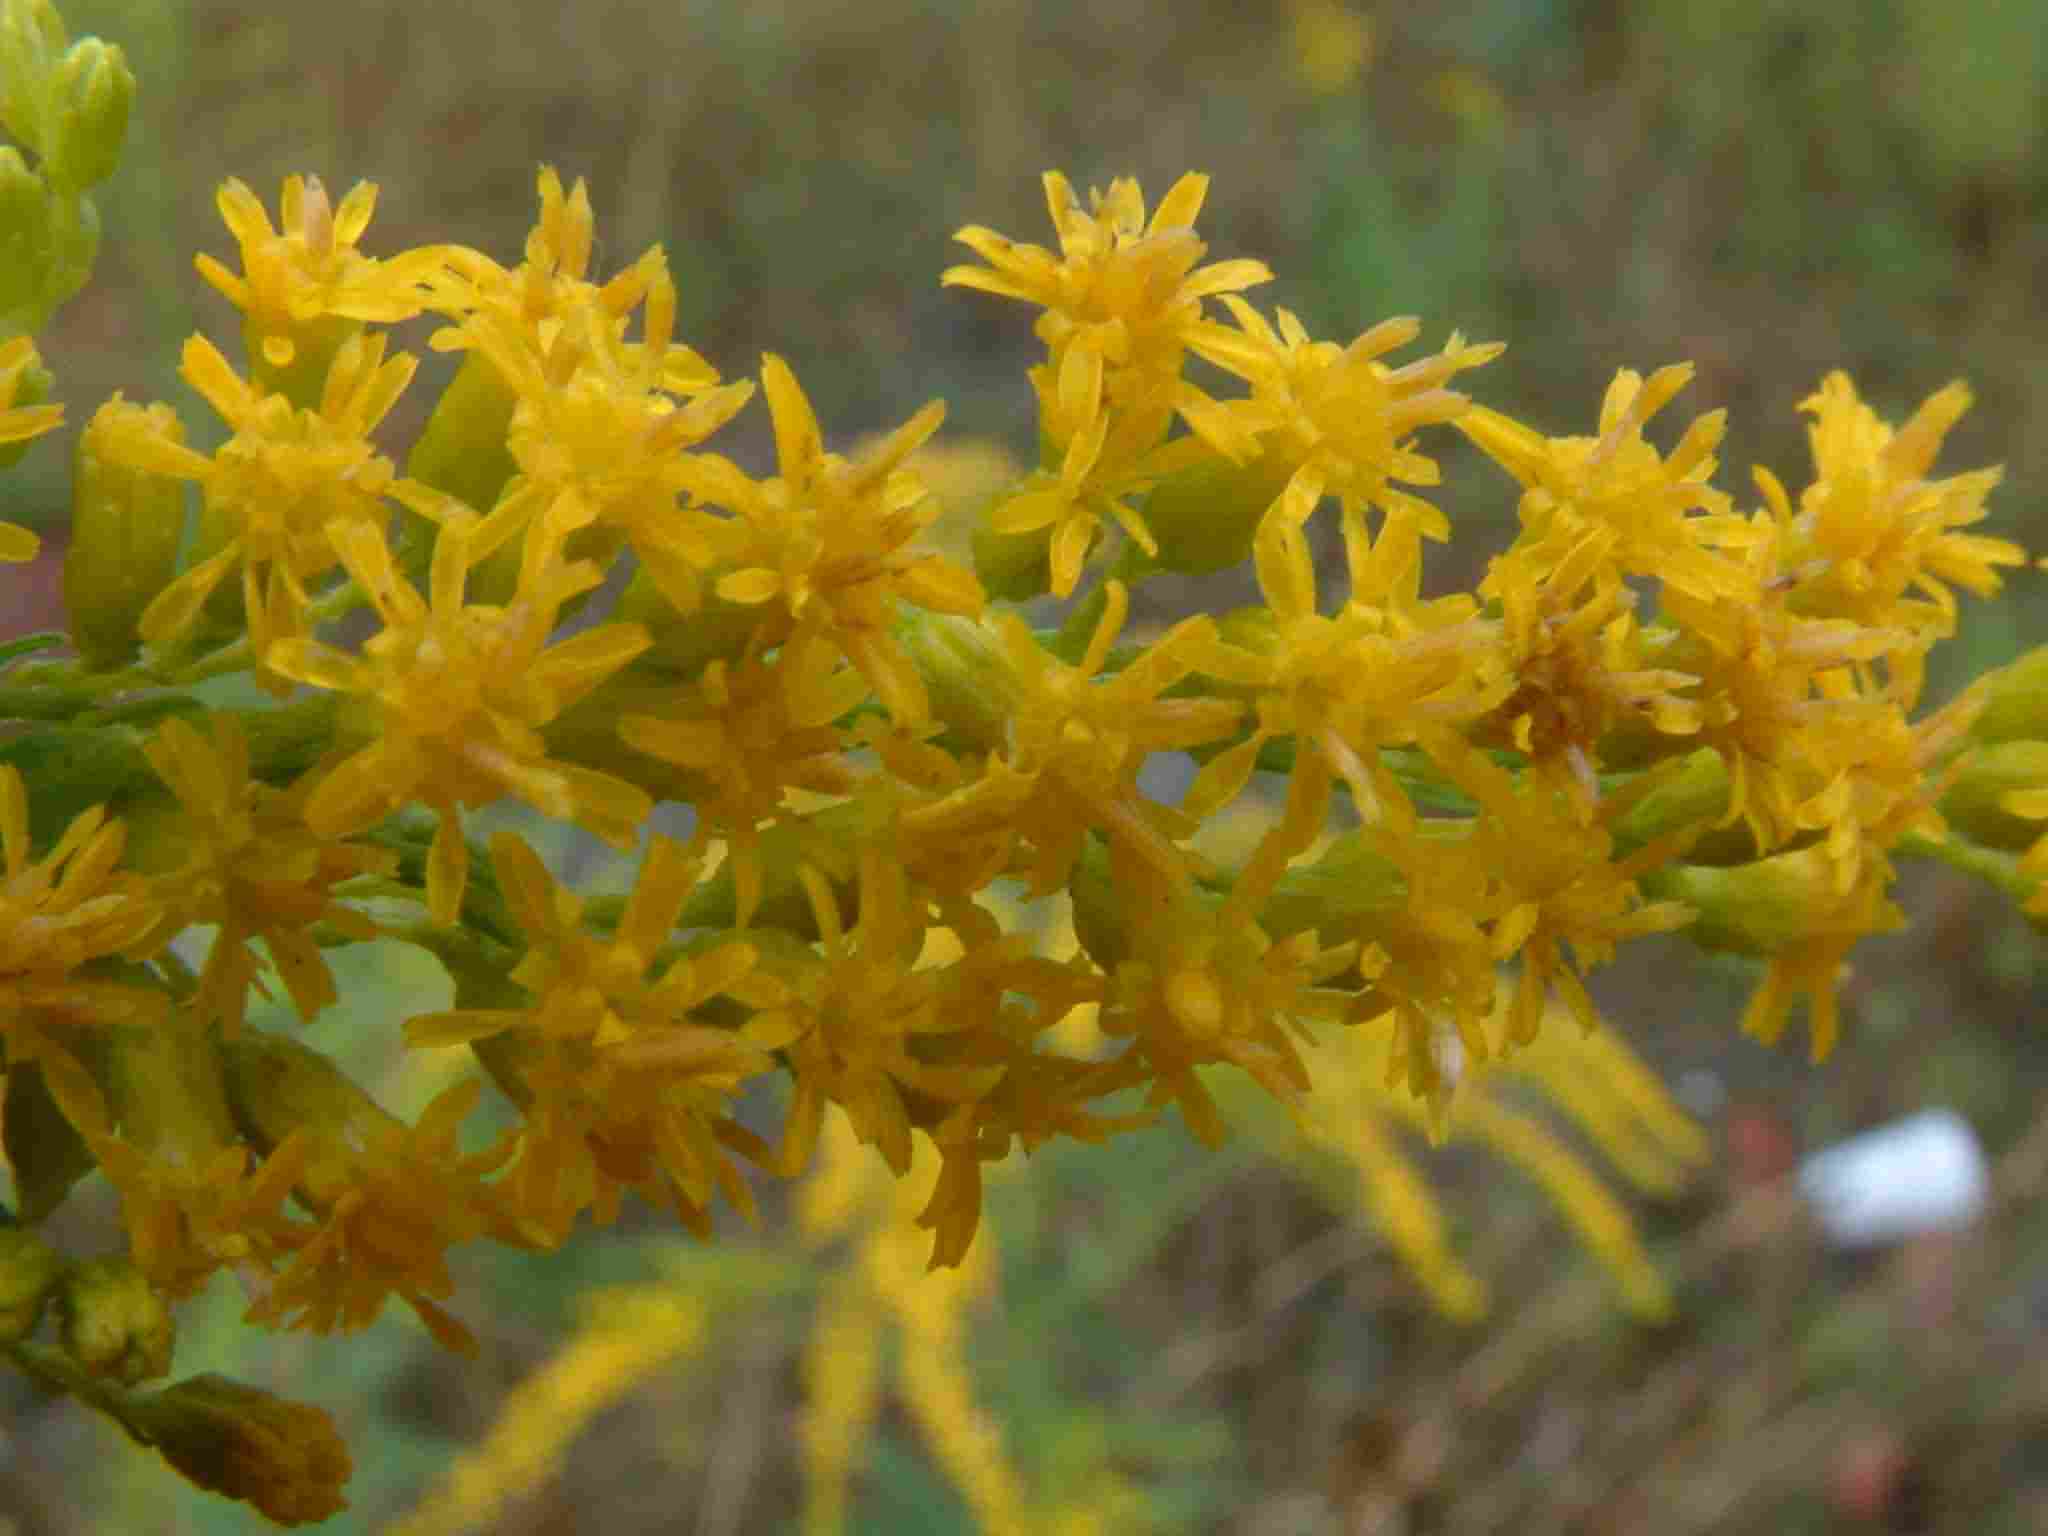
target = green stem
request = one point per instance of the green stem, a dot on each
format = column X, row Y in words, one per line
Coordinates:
column 1993, row 865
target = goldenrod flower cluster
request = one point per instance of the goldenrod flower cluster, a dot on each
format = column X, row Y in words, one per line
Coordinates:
column 1661, row 707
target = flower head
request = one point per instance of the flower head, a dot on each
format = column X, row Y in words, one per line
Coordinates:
column 460, row 693
column 19, row 366
column 1123, row 301
column 1874, row 539
column 306, row 269
column 598, row 427
column 1342, row 421
column 276, row 490
column 390, row 1199
column 622, row 1084
column 825, row 544
column 1636, row 506
column 1124, row 288
column 251, row 867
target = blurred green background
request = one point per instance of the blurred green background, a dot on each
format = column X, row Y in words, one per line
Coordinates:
column 1769, row 188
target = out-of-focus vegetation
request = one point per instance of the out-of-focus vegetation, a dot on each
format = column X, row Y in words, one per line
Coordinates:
column 1167, row 1340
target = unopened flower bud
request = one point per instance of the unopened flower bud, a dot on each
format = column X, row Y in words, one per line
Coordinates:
column 295, row 364
column 165, row 1084
column 1102, row 918
column 965, row 675
column 284, row 1458
column 95, row 90
column 29, row 1272
column 1348, row 880
column 24, row 237
column 1249, row 629
column 32, row 36
column 461, row 451
column 686, row 643
column 1756, row 908
column 126, row 525
column 1013, row 566
column 1975, row 804
column 2015, row 701
column 276, row 1086
column 1204, row 517
column 113, row 1323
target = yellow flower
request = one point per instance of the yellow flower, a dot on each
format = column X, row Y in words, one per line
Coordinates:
column 1634, row 504
column 590, row 420
column 622, row 1085
column 827, row 542
column 390, row 1199
column 1345, row 685
column 71, row 905
column 861, row 1020
column 1876, row 527
column 746, row 734
column 460, row 694
column 19, row 423
column 252, row 869
column 184, row 1222
column 306, row 269
column 58, row 915
column 276, row 491
column 1777, row 691
column 1106, row 457
column 1341, row 420
column 1562, row 891
column 1193, row 982
column 1125, row 289
column 1428, row 964
column 1123, row 302
column 1083, row 732
column 1582, row 669
column 547, row 308
column 20, row 367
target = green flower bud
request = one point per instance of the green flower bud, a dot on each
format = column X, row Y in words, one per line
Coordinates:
column 1204, row 517
column 461, row 450
column 24, row 239
column 1249, row 629
column 166, row 1086
column 965, row 675
column 1694, row 794
column 113, row 1324
column 1975, row 805
column 1013, row 566
column 32, row 37
column 1101, row 922
column 95, row 90
column 302, row 378
column 684, row 644
column 1349, row 880
column 277, row 1085
column 29, row 1272
column 126, row 525
column 1756, row 908
column 2015, row 701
